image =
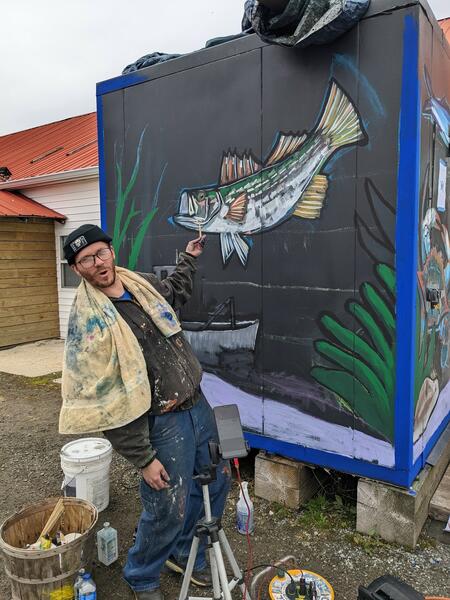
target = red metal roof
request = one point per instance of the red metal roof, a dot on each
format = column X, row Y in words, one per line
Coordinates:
column 65, row 145
column 445, row 24
column 13, row 204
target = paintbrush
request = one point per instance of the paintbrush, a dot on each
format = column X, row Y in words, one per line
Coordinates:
column 54, row 518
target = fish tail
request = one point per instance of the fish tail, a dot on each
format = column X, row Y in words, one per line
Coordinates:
column 340, row 122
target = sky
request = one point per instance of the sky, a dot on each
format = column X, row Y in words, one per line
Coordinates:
column 55, row 51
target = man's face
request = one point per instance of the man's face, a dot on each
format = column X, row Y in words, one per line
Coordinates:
column 102, row 273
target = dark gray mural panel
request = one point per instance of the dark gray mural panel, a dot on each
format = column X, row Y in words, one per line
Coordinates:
column 310, row 256
column 113, row 137
column 374, row 311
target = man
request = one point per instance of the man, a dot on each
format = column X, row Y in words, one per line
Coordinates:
column 129, row 371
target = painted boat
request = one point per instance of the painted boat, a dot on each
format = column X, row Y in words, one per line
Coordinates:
column 211, row 339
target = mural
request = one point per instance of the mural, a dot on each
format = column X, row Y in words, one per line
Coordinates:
column 433, row 312
column 437, row 110
column 252, row 197
column 364, row 382
column 294, row 309
column 344, row 403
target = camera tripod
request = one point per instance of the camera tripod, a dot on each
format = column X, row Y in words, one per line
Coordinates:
column 209, row 529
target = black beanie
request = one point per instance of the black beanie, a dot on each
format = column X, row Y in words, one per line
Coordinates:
column 80, row 238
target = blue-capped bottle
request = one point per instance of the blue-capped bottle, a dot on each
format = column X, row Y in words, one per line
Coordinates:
column 88, row 589
column 77, row 584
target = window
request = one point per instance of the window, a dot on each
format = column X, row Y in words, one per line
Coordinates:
column 69, row 279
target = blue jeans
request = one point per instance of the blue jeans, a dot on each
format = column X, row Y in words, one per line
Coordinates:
column 167, row 523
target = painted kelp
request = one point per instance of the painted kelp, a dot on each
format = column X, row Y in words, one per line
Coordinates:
column 125, row 214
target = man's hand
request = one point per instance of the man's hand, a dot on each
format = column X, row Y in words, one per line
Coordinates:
column 155, row 475
column 195, row 247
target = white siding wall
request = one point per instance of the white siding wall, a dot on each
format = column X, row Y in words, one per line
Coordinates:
column 80, row 203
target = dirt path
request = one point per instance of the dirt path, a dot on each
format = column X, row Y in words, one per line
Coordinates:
column 322, row 539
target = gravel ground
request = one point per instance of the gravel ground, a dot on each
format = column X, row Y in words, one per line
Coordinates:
column 322, row 538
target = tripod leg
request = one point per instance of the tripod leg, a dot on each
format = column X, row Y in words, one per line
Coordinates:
column 189, row 568
column 233, row 563
column 214, row 573
column 222, row 572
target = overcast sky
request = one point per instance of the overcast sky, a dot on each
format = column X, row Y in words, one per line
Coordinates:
column 54, row 51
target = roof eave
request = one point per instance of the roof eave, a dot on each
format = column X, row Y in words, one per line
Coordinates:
column 50, row 178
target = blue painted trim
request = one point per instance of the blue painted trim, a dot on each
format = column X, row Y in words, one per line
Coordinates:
column 121, row 82
column 328, row 459
column 101, row 163
column 408, row 180
column 418, row 465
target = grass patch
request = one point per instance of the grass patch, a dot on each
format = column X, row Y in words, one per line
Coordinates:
column 44, row 379
column 325, row 513
column 369, row 543
column 426, row 543
column 280, row 511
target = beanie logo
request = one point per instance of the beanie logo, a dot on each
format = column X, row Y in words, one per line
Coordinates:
column 79, row 243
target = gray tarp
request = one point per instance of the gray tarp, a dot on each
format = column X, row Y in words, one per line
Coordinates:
column 304, row 22
column 301, row 23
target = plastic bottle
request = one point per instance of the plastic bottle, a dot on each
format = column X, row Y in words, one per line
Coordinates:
column 88, row 589
column 244, row 511
column 107, row 546
column 77, row 584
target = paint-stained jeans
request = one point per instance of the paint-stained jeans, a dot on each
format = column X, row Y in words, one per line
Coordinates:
column 167, row 523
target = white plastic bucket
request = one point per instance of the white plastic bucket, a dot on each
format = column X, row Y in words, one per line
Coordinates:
column 86, row 463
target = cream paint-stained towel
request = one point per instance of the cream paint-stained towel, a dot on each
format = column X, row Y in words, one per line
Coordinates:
column 104, row 381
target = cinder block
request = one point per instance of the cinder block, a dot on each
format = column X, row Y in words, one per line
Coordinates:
column 283, row 480
column 396, row 514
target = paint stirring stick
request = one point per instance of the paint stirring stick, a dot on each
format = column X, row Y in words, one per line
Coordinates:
column 199, row 230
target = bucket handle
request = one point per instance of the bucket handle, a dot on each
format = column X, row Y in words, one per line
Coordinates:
column 41, row 581
column 64, row 485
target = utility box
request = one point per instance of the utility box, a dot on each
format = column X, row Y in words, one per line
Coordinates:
column 321, row 179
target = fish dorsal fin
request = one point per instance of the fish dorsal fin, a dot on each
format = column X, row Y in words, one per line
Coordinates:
column 236, row 167
column 285, row 145
column 237, row 209
column 311, row 201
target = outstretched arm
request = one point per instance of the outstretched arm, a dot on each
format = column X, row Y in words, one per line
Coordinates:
column 177, row 287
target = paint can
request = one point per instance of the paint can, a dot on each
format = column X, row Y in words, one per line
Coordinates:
column 86, row 463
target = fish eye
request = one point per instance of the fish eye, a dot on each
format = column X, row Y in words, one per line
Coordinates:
column 201, row 196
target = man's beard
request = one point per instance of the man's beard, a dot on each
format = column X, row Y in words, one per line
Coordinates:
column 96, row 281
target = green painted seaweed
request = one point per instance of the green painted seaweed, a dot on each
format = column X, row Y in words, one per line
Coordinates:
column 364, row 381
column 123, row 197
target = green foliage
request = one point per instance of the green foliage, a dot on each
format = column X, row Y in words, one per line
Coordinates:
column 369, row 543
column 122, row 200
column 324, row 513
column 48, row 379
column 364, row 380
column 280, row 511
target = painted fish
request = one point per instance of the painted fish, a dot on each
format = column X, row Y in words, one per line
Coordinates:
column 252, row 197
column 438, row 111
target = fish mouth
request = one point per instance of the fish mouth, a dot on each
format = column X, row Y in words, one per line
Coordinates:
column 192, row 213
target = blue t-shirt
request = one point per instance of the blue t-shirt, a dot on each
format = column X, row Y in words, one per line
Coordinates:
column 126, row 296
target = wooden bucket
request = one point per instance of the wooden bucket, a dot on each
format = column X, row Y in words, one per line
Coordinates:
column 47, row 574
